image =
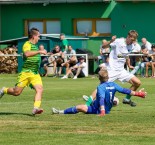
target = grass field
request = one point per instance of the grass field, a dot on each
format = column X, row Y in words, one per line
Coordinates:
column 124, row 126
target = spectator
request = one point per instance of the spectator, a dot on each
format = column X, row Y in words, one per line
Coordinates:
column 56, row 58
column 142, row 64
column 70, row 58
column 104, row 52
column 64, row 44
column 79, row 70
column 135, row 60
column 147, row 44
column 151, row 63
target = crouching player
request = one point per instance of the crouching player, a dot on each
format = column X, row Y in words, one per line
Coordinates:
column 104, row 98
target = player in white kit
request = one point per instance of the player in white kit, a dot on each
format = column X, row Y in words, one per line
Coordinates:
column 119, row 49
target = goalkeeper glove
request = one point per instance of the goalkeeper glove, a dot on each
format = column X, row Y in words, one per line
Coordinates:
column 140, row 94
column 102, row 113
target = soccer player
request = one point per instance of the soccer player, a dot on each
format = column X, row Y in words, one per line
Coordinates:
column 29, row 75
column 117, row 58
column 104, row 98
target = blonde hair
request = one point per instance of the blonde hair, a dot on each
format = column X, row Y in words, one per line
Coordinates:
column 103, row 75
column 133, row 35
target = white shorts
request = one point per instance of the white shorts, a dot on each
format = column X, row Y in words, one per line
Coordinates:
column 121, row 75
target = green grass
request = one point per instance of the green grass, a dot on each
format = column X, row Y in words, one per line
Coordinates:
column 124, row 125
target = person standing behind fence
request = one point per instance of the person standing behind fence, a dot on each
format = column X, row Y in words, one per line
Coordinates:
column 29, row 75
column 64, row 42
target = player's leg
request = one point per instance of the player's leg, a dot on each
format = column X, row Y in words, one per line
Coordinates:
column 135, row 85
column 16, row 91
column 125, row 76
column 90, row 99
column 71, row 110
column 37, row 85
column 22, row 81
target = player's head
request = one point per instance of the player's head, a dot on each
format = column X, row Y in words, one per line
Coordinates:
column 131, row 37
column 103, row 75
column 34, row 34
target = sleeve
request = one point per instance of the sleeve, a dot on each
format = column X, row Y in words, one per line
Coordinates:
column 113, row 44
column 26, row 47
column 122, row 90
column 101, row 95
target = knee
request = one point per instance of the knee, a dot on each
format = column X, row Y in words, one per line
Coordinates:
column 39, row 89
column 138, row 83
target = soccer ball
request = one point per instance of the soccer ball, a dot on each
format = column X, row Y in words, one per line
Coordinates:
column 115, row 101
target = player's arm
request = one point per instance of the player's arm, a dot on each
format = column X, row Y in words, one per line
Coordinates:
column 109, row 42
column 101, row 94
column 28, row 52
column 128, row 63
column 141, row 92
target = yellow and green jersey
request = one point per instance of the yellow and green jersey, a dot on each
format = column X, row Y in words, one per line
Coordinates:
column 31, row 64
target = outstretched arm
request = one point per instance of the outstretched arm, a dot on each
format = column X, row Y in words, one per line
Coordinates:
column 109, row 42
column 141, row 92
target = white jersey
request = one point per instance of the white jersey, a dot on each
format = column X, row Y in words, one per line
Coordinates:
column 116, row 57
column 84, row 67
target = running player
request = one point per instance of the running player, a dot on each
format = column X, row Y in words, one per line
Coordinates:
column 29, row 75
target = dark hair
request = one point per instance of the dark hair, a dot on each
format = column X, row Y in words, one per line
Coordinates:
column 153, row 46
column 32, row 32
column 143, row 47
column 62, row 34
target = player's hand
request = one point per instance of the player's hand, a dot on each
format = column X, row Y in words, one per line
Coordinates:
column 102, row 113
column 141, row 93
column 113, row 38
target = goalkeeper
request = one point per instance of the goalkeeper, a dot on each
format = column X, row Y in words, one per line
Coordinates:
column 104, row 98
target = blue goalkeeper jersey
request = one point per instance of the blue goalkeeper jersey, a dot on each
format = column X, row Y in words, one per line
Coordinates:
column 105, row 95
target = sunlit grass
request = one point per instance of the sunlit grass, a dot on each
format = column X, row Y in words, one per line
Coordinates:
column 124, row 125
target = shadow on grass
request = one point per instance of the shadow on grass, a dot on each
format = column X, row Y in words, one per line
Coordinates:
column 11, row 113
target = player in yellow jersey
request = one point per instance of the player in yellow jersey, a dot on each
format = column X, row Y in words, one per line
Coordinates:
column 29, row 75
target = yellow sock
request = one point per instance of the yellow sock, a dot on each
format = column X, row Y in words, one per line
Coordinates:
column 37, row 104
column 5, row 90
